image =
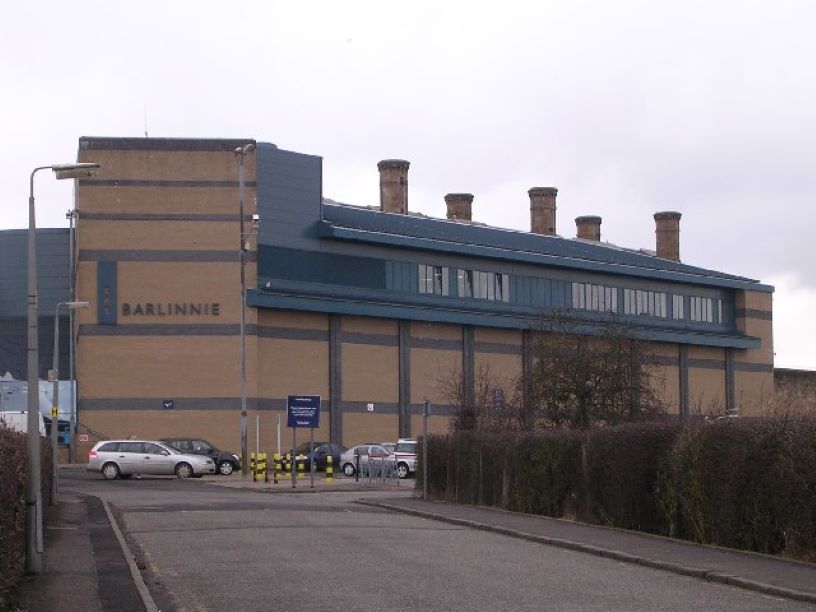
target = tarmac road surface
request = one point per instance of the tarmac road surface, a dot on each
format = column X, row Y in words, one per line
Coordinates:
column 205, row 547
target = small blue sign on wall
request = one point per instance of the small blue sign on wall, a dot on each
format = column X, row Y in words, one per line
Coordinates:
column 303, row 411
column 168, row 404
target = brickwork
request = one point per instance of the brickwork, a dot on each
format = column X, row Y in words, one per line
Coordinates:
column 168, row 222
column 459, row 206
column 542, row 210
column 588, row 228
column 667, row 235
column 393, row 185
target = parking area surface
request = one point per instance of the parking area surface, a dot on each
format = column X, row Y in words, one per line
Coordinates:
column 205, row 547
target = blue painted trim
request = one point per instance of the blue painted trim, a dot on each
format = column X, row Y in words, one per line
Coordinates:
column 530, row 319
column 404, row 379
column 106, row 283
column 326, row 230
column 335, row 380
column 684, row 382
column 468, row 366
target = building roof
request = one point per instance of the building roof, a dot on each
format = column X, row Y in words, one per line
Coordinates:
column 347, row 222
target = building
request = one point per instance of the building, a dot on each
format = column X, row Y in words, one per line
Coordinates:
column 368, row 308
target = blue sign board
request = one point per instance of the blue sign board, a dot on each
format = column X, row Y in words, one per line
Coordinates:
column 303, row 411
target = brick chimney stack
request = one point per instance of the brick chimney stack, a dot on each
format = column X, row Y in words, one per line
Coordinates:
column 542, row 210
column 667, row 232
column 459, row 206
column 588, row 227
column 394, row 185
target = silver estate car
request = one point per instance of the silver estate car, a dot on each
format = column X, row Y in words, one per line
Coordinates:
column 124, row 458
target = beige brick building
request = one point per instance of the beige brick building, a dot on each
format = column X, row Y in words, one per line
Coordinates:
column 371, row 309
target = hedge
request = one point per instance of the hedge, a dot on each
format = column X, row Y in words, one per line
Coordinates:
column 13, row 474
column 742, row 483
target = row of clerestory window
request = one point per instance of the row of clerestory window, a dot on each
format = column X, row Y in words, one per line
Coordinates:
column 434, row 280
column 639, row 302
column 478, row 284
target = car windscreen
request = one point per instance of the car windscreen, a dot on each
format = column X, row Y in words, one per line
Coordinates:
column 406, row 447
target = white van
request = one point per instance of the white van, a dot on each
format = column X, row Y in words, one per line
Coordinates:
column 18, row 421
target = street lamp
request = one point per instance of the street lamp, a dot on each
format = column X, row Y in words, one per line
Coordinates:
column 72, row 215
column 53, row 375
column 33, row 484
column 240, row 153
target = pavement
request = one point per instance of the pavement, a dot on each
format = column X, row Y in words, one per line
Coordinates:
column 88, row 566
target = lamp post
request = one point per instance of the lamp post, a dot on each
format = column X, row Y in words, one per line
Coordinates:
column 72, row 215
column 240, row 153
column 53, row 375
column 33, row 484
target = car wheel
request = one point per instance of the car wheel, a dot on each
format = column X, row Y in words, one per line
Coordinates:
column 184, row 470
column 348, row 469
column 315, row 467
column 110, row 471
column 402, row 470
column 225, row 468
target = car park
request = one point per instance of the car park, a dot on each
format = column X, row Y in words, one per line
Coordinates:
column 124, row 458
column 225, row 462
column 405, row 454
column 351, row 459
column 322, row 450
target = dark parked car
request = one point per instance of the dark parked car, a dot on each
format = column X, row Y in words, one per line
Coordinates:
column 322, row 450
column 225, row 462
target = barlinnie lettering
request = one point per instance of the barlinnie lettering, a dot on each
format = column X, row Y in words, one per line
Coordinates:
column 169, row 309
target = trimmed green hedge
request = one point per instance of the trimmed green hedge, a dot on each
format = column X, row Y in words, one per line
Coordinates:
column 745, row 484
column 13, row 473
column 740, row 483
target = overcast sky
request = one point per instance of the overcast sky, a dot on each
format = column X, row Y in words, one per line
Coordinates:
column 707, row 108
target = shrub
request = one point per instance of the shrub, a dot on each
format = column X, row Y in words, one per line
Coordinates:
column 13, row 474
column 742, row 483
column 621, row 468
column 747, row 484
column 545, row 471
column 12, row 510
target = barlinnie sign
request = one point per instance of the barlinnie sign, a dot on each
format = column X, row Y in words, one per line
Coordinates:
column 303, row 411
column 170, row 309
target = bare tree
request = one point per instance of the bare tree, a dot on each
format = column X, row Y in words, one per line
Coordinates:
column 580, row 380
column 494, row 404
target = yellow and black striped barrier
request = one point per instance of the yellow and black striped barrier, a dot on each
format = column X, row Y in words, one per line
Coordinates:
column 329, row 470
column 301, row 466
column 287, row 464
column 277, row 467
column 257, row 463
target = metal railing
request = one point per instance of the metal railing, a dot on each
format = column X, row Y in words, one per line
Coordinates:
column 377, row 471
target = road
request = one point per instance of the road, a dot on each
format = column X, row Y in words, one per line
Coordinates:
column 206, row 547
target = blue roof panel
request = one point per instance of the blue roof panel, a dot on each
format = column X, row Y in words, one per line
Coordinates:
column 510, row 244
